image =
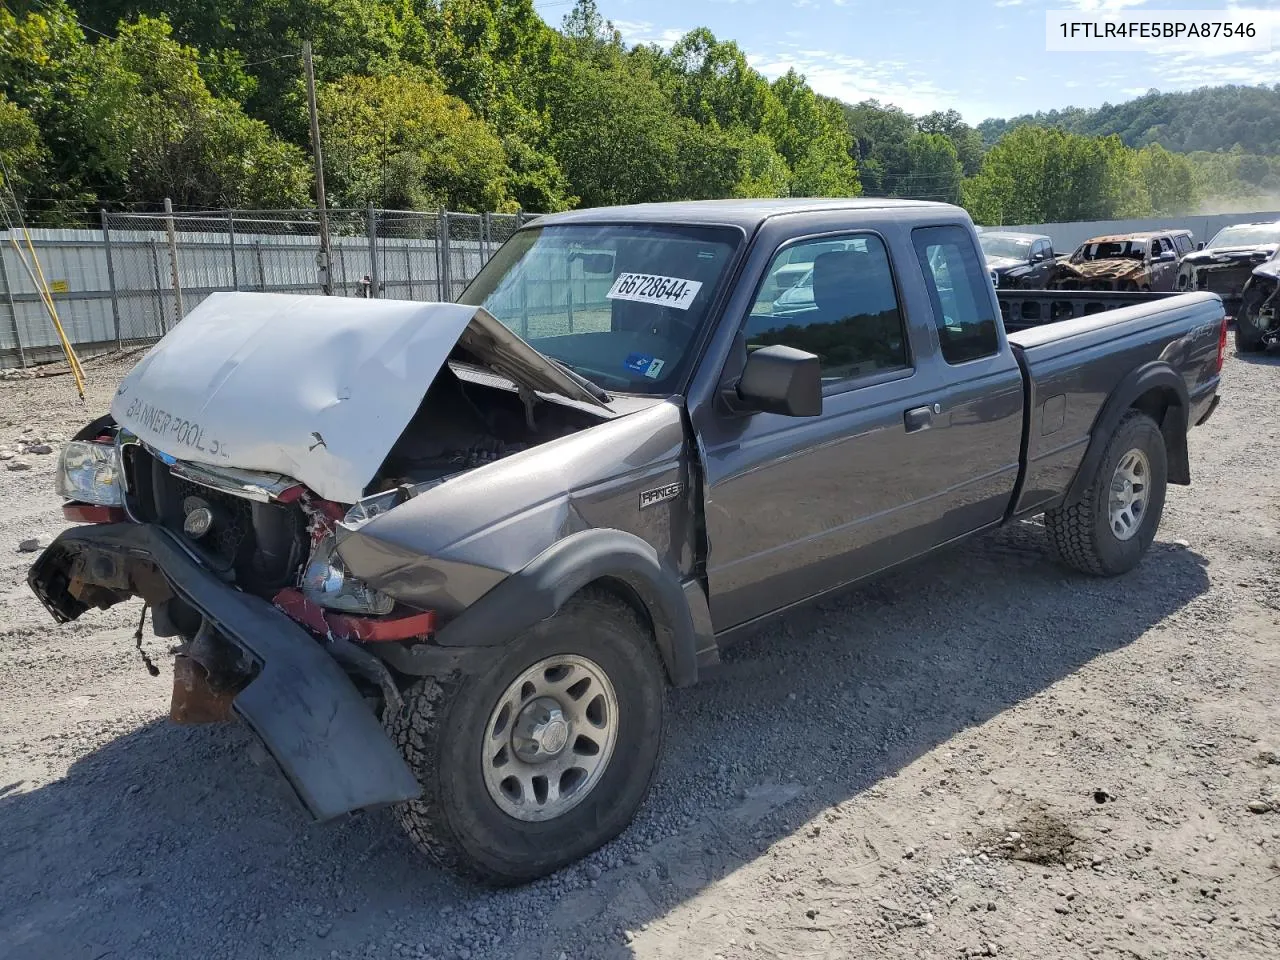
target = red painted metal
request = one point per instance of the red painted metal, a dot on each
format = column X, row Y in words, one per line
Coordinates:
column 92, row 513
column 410, row 626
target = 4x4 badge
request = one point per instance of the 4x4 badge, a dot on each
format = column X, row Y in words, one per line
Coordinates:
column 658, row 494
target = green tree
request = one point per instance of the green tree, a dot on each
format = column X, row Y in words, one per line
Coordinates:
column 613, row 132
column 715, row 84
column 810, row 133
column 935, row 168
column 403, row 142
column 158, row 131
column 23, row 154
column 966, row 140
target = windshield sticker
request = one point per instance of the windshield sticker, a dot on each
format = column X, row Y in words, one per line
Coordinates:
column 637, row 362
column 651, row 288
column 655, row 369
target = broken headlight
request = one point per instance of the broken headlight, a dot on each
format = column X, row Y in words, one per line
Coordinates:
column 90, row 473
column 325, row 582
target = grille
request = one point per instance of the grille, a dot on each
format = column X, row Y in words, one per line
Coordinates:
column 1225, row 279
column 257, row 546
column 232, row 529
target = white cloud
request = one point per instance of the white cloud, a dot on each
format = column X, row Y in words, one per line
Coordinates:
column 852, row 79
column 643, row 32
column 1089, row 6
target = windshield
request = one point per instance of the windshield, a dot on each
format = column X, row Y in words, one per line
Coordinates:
column 1011, row 247
column 1112, row 250
column 619, row 304
column 1246, row 235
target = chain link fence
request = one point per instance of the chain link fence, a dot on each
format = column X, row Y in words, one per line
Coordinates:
column 129, row 281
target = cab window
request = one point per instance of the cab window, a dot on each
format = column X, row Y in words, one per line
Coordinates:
column 959, row 291
column 843, row 307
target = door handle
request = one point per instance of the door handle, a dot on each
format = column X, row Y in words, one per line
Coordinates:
column 918, row 418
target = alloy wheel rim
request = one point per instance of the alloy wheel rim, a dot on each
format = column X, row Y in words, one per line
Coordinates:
column 1130, row 494
column 549, row 738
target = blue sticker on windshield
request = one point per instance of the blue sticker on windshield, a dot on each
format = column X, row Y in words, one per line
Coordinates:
column 638, row 362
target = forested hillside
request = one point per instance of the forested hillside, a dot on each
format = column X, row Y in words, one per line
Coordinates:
column 1213, row 119
column 480, row 105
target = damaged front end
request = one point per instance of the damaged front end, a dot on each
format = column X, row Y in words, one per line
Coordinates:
column 1258, row 319
column 1117, row 274
column 1222, row 272
column 215, row 489
column 244, row 655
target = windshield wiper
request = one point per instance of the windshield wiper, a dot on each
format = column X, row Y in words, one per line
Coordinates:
column 592, row 388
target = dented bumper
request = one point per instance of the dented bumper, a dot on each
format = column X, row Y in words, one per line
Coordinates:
column 311, row 718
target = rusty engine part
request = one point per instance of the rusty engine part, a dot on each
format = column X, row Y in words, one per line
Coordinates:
column 208, row 672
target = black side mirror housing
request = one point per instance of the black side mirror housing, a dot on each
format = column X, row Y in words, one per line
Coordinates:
column 779, row 379
column 1200, row 245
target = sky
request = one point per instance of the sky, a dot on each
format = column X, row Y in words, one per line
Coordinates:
column 984, row 58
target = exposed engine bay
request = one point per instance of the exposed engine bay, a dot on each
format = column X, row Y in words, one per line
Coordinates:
column 469, row 418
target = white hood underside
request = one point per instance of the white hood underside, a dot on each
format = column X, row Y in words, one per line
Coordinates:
column 315, row 388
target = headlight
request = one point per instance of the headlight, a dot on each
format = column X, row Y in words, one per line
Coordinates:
column 90, row 473
column 326, row 583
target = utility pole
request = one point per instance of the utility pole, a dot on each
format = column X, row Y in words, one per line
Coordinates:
column 322, row 258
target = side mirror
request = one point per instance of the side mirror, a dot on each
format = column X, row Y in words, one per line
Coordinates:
column 1166, row 255
column 779, row 379
column 1200, row 245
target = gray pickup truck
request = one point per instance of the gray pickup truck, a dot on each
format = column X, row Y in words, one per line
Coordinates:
column 449, row 556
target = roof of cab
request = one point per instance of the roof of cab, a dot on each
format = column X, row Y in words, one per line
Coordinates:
column 1137, row 235
column 741, row 213
column 1015, row 235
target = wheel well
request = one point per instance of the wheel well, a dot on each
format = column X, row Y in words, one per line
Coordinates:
column 625, row 593
column 1158, row 403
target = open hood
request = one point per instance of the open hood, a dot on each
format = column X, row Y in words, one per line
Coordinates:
column 315, row 388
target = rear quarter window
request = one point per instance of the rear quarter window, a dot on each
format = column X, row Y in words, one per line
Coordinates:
column 957, row 285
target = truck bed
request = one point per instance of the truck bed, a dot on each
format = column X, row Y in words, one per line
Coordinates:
column 1074, row 355
column 1024, row 309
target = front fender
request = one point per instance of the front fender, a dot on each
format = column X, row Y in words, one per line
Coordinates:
column 537, row 591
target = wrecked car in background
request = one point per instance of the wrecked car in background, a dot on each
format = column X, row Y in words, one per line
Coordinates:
column 1131, row 261
column 449, row 556
column 1225, row 264
column 1018, row 260
column 1258, row 317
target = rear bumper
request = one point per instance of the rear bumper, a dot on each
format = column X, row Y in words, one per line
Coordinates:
column 327, row 742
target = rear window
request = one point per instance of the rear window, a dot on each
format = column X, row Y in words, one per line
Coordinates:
column 1112, row 250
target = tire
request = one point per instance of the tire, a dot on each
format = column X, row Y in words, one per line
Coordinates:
column 1247, row 341
column 442, row 728
column 1082, row 536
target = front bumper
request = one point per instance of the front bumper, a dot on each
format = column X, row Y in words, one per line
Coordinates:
column 311, row 718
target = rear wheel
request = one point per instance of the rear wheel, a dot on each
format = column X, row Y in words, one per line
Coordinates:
column 1246, row 340
column 1110, row 529
column 545, row 756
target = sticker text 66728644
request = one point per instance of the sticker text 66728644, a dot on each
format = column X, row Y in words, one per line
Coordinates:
column 651, row 288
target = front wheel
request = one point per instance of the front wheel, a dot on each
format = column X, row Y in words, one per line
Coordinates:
column 1110, row 529
column 545, row 756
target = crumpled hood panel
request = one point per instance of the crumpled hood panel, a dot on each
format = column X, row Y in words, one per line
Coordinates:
column 1003, row 263
column 1120, row 268
column 1229, row 256
column 316, row 388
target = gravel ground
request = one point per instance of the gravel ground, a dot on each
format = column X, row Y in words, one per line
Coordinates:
column 984, row 755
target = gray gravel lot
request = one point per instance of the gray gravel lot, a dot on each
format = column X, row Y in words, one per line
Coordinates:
column 982, row 755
